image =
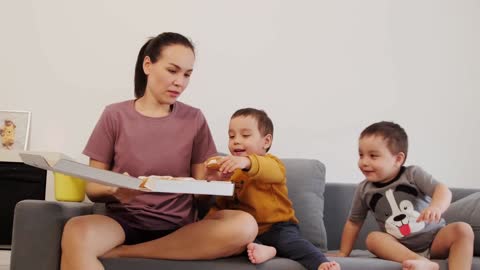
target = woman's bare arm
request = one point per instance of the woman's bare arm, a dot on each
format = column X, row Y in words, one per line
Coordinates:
column 97, row 192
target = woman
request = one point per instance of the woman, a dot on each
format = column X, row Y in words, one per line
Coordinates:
column 153, row 135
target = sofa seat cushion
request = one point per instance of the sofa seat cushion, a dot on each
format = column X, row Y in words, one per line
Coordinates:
column 359, row 259
column 467, row 210
column 236, row 262
column 363, row 259
column 306, row 187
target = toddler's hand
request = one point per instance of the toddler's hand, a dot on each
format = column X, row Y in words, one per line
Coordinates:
column 231, row 163
column 216, row 175
column 430, row 214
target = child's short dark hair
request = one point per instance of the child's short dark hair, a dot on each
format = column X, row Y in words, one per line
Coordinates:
column 265, row 125
column 394, row 134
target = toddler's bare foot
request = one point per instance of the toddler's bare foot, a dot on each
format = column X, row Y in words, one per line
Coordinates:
column 420, row 265
column 260, row 253
column 329, row 266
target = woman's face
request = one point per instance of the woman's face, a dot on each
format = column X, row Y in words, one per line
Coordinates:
column 170, row 75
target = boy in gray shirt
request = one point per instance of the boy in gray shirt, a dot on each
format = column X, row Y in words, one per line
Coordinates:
column 407, row 203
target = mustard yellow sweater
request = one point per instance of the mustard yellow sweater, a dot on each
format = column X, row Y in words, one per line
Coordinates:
column 262, row 192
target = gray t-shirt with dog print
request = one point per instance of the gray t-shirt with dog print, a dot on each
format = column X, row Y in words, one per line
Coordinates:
column 396, row 206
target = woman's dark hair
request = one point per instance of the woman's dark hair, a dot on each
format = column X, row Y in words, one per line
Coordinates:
column 153, row 49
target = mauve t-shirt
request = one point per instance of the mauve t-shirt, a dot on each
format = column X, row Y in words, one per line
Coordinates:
column 142, row 146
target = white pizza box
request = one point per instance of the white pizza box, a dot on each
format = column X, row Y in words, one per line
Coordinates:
column 58, row 162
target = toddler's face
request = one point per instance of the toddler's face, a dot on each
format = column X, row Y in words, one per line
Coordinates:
column 376, row 161
column 245, row 137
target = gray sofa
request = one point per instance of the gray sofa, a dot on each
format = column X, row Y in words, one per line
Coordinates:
column 321, row 208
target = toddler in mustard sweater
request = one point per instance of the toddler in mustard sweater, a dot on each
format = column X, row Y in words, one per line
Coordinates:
column 261, row 190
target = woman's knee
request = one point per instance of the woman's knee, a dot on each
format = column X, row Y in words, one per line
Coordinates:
column 90, row 235
column 241, row 225
column 247, row 226
column 87, row 231
column 76, row 231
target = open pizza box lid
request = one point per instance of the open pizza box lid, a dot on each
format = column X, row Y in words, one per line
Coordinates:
column 58, row 162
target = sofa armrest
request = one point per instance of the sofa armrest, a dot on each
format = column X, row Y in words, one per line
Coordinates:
column 37, row 232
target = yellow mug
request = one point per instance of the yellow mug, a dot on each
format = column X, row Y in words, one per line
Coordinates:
column 69, row 188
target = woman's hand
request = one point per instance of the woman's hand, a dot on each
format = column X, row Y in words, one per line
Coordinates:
column 126, row 195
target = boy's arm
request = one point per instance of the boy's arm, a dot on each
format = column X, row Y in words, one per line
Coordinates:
column 266, row 169
column 442, row 196
column 349, row 236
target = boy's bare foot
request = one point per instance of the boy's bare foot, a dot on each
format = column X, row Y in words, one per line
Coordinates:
column 420, row 265
column 258, row 253
column 329, row 266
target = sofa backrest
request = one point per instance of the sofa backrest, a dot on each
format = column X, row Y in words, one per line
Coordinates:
column 306, row 186
column 338, row 200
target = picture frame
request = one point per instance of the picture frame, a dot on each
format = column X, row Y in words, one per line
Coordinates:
column 14, row 130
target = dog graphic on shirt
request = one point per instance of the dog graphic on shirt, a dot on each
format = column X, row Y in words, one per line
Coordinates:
column 396, row 210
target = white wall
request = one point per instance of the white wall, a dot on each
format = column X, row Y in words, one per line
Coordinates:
column 323, row 70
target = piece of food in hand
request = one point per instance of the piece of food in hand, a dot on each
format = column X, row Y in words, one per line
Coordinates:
column 213, row 163
column 145, row 179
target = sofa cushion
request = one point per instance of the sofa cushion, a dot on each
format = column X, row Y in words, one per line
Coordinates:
column 235, row 263
column 467, row 210
column 306, row 185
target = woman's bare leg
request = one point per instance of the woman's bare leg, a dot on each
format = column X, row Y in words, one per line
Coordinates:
column 221, row 234
column 387, row 247
column 454, row 241
column 85, row 238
